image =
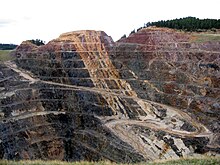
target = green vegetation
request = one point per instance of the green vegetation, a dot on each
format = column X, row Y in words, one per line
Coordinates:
column 5, row 55
column 191, row 161
column 188, row 24
column 133, row 31
column 37, row 42
column 124, row 36
column 7, row 46
column 205, row 37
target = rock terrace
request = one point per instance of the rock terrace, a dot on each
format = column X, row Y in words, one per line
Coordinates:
column 153, row 95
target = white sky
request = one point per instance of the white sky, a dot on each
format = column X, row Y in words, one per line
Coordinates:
column 46, row 19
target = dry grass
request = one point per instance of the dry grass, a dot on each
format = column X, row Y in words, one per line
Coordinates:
column 54, row 162
column 191, row 161
column 5, row 55
column 205, row 37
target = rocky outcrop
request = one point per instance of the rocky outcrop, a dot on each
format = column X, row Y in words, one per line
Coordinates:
column 153, row 95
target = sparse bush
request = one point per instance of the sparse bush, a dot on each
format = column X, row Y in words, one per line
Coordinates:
column 37, row 42
column 124, row 36
column 133, row 31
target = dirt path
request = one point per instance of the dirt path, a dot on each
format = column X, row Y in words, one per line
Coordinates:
column 23, row 74
column 116, row 125
column 201, row 129
column 157, row 126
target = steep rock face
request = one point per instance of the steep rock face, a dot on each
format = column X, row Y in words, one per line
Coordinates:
column 173, row 70
column 153, row 95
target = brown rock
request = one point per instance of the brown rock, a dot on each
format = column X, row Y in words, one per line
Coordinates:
column 84, row 97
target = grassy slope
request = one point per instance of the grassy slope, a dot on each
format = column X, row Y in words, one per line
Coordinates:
column 205, row 37
column 4, row 55
column 191, row 161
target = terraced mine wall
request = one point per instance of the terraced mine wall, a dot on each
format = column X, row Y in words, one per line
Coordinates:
column 153, row 95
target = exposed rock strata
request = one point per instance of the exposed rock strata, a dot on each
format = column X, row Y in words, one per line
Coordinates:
column 153, row 95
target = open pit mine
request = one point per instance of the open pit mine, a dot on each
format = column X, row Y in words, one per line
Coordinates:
column 153, row 95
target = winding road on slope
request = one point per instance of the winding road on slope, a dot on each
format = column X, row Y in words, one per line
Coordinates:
column 201, row 130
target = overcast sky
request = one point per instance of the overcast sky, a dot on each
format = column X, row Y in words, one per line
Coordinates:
column 46, row 19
